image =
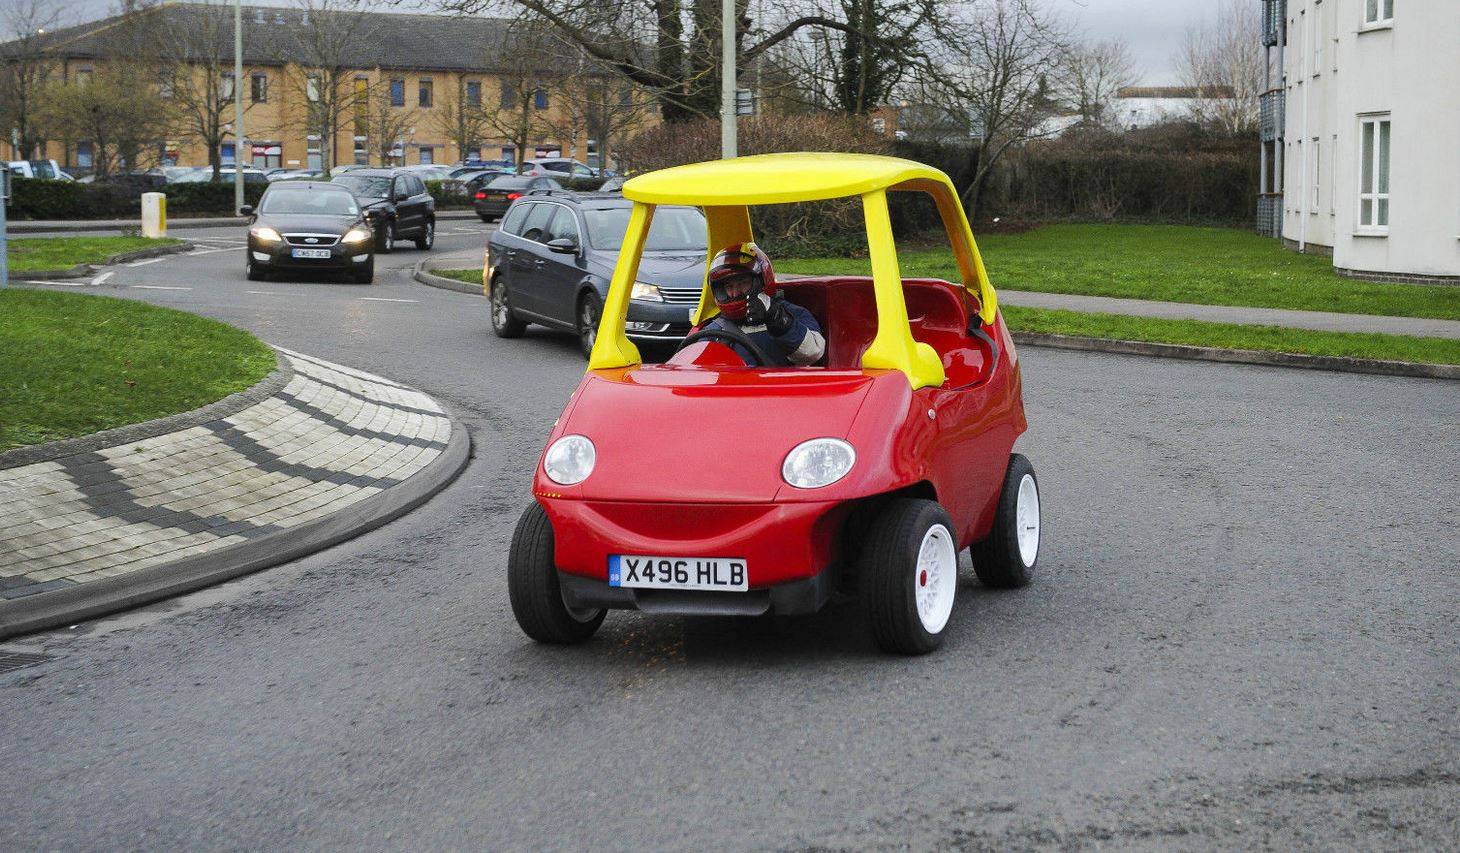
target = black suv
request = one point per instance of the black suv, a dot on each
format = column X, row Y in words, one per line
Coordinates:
column 396, row 205
column 551, row 261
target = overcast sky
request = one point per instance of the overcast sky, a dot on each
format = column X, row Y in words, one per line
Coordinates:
column 1152, row 28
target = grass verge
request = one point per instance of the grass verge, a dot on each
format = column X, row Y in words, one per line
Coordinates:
column 1171, row 263
column 74, row 364
column 1233, row 336
column 31, row 254
column 468, row 276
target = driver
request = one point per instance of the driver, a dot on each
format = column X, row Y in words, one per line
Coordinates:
column 745, row 291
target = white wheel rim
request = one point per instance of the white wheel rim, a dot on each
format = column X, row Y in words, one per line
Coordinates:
column 935, row 578
column 1026, row 516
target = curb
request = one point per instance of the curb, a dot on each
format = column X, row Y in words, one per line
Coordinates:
column 84, row 270
column 1240, row 356
column 85, row 601
column 443, row 282
column 32, row 227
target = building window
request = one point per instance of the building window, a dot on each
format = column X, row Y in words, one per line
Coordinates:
column 474, row 93
column 1378, row 12
column 83, row 76
column 83, row 155
column 1317, row 172
column 539, row 99
column 258, row 88
column 428, row 156
column 397, row 93
column 1374, row 173
column 225, row 86
column 425, row 93
column 311, row 88
column 509, row 95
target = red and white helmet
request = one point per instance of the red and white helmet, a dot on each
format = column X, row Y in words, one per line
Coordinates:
column 738, row 274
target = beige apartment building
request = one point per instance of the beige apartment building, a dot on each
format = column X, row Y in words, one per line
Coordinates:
column 421, row 71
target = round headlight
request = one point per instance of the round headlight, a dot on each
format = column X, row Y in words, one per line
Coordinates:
column 818, row 462
column 569, row 460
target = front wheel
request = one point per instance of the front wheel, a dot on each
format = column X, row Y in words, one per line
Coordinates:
column 532, row 586
column 385, row 238
column 908, row 576
column 254, row 273
column 365, row 274
column 1006, row 558
column 428, row 236
column 590, row 310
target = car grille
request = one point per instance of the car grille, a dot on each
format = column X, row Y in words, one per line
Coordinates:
column 680, row 295
column 311, row 239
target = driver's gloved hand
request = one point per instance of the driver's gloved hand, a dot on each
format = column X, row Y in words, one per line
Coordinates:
column 763, row 310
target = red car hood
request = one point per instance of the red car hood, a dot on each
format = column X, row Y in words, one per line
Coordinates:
column 704, row 435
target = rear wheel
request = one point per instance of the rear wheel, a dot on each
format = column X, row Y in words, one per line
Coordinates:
column 532, row 586
column 908, row 576
column 504, row 323
column 428, row 236
column 1006, row 558
column 590, row 310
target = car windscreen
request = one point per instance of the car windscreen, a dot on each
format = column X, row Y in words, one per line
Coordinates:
column 509, row 182
column 365, row 186
column 674, row 229
column 315, row 202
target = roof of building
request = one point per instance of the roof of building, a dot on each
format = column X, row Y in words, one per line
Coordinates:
column 274, row 36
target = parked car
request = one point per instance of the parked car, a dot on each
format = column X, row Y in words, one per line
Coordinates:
column 143, row 182
column 309, row 227
column 492, row 199
column 570, row 173
column 484, row 165
column 396, row 204
column 612, row 185
column 551, row 261
column 295, row 174
column 47, row 170
column 864, row 475
column 204, row 174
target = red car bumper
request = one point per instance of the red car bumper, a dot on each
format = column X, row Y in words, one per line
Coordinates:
column 783, row 545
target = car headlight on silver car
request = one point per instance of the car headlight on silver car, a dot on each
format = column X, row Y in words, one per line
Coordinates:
column 818, row 462
column 569, row 460
column 265, row 234
column 358, row 234
column 646, row 292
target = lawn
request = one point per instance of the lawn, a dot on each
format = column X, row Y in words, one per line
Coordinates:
column 73, row 364
column 29, row 254
column 1233, row 336
column 473, row 276
column 1173, row 263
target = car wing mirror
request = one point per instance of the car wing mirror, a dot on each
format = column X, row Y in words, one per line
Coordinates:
column 246, row 210
column 562, row 246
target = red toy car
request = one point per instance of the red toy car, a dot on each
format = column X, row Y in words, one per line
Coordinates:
column 706, row 485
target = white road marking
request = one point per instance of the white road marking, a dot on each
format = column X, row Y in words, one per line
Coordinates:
column 384, row 299
column 146, row 262
column 101, row 278
column 196, row 252
column 156, row 287
column 262, row 292
column 57, row 283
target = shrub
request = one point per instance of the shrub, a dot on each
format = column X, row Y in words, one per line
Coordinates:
column 449, row 193
column 41, row 199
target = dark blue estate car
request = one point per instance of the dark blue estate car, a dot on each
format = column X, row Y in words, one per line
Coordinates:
column 551, row 260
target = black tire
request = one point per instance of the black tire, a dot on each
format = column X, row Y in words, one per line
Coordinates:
column 385, row 238
column 428, row 236
column 504, row 323
column 485, row 218
column 997, row 559
column 532, row 586
column 887, row 574
column 254, row 273
column 365, row 274
column 590, row 311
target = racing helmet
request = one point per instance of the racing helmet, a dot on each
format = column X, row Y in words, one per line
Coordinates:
column 738, row 274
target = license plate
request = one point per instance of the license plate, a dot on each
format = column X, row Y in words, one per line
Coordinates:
column 724, row 574
column 322, row 254
column 497, row 197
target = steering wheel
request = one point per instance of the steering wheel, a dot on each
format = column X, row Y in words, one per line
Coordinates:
column 730, row 335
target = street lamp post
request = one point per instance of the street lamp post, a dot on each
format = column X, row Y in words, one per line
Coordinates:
column 728, row 142
column 237, row 106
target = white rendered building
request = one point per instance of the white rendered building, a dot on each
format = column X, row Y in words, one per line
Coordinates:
column 1361, row 134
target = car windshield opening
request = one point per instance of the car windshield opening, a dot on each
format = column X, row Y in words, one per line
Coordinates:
column 315, row 202
column 366, row 186
column 673, row 229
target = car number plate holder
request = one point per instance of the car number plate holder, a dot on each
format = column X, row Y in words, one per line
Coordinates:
column 715, row 574
column 317, row 254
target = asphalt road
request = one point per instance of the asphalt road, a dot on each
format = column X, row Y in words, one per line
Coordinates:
column 1244, row 634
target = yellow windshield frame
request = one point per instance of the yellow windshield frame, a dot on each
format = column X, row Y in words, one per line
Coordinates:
column 725, row 190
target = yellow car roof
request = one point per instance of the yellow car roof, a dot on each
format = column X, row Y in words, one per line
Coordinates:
column 775, row 179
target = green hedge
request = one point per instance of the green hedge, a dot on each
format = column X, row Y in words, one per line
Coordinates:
column 40, row 199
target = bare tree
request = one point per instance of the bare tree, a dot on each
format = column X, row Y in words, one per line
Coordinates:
column 1222, row 59
column 194, row 49
column 461, row 115
column 597, row 103
column 533, row 58
column 26, row 70
column 991, row 76
column 1091, row 74
column 386, row 125
column 323, row 77
column 118, row 110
